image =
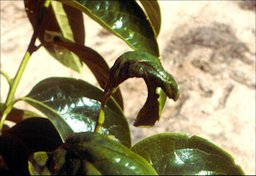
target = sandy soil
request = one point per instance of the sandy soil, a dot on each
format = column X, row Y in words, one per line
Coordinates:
column 208, row 46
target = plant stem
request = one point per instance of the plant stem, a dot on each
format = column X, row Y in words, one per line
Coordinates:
column 31, row 49
column 101, row 116
column 17, row 78
column 100, row 120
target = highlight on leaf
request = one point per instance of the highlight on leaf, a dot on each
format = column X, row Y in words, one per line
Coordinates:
column 90, row 153
column 143, row 65
column 72, row 106
column 179, row 154
column 83, row 130
column 125, row 19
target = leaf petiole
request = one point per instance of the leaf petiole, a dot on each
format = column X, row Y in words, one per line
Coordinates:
column 100, row 120
column 6, row 112
column 17, row 78
column 101, row 117
column 6, row 76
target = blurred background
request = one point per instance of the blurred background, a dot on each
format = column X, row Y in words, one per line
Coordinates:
column 208, row 46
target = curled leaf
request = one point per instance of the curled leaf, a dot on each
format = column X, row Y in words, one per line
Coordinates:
column 143, row 65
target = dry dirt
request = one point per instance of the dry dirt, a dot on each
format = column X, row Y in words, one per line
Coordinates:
column 208, row 46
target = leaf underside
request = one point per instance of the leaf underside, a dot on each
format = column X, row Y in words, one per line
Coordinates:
column 60, row 21
column 152, row 10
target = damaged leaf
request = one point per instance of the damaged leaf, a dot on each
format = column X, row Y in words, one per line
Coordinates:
column 143, row 65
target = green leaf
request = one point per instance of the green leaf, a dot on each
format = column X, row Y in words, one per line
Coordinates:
column 87, row 153
column 36, row 164
column 152, row 10
column 60, row 21
column 37, row 134
column 177, row 154
column 95, row 62
column 161, row 99
column 148, row 67
column 59, row 123
column 70, row 21
column 73, row 105
column 125, row 19
column 90, row 169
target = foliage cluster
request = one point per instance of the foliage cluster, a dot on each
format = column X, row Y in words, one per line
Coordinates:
column 82, row 129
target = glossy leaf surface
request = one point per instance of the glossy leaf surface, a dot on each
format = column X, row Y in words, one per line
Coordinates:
column 60, row 21
column 73, row 105
column 95, row 62
column 93, row 153
column 152, row 10
column 148, row 67
column 125, row 19
column 177, row 154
